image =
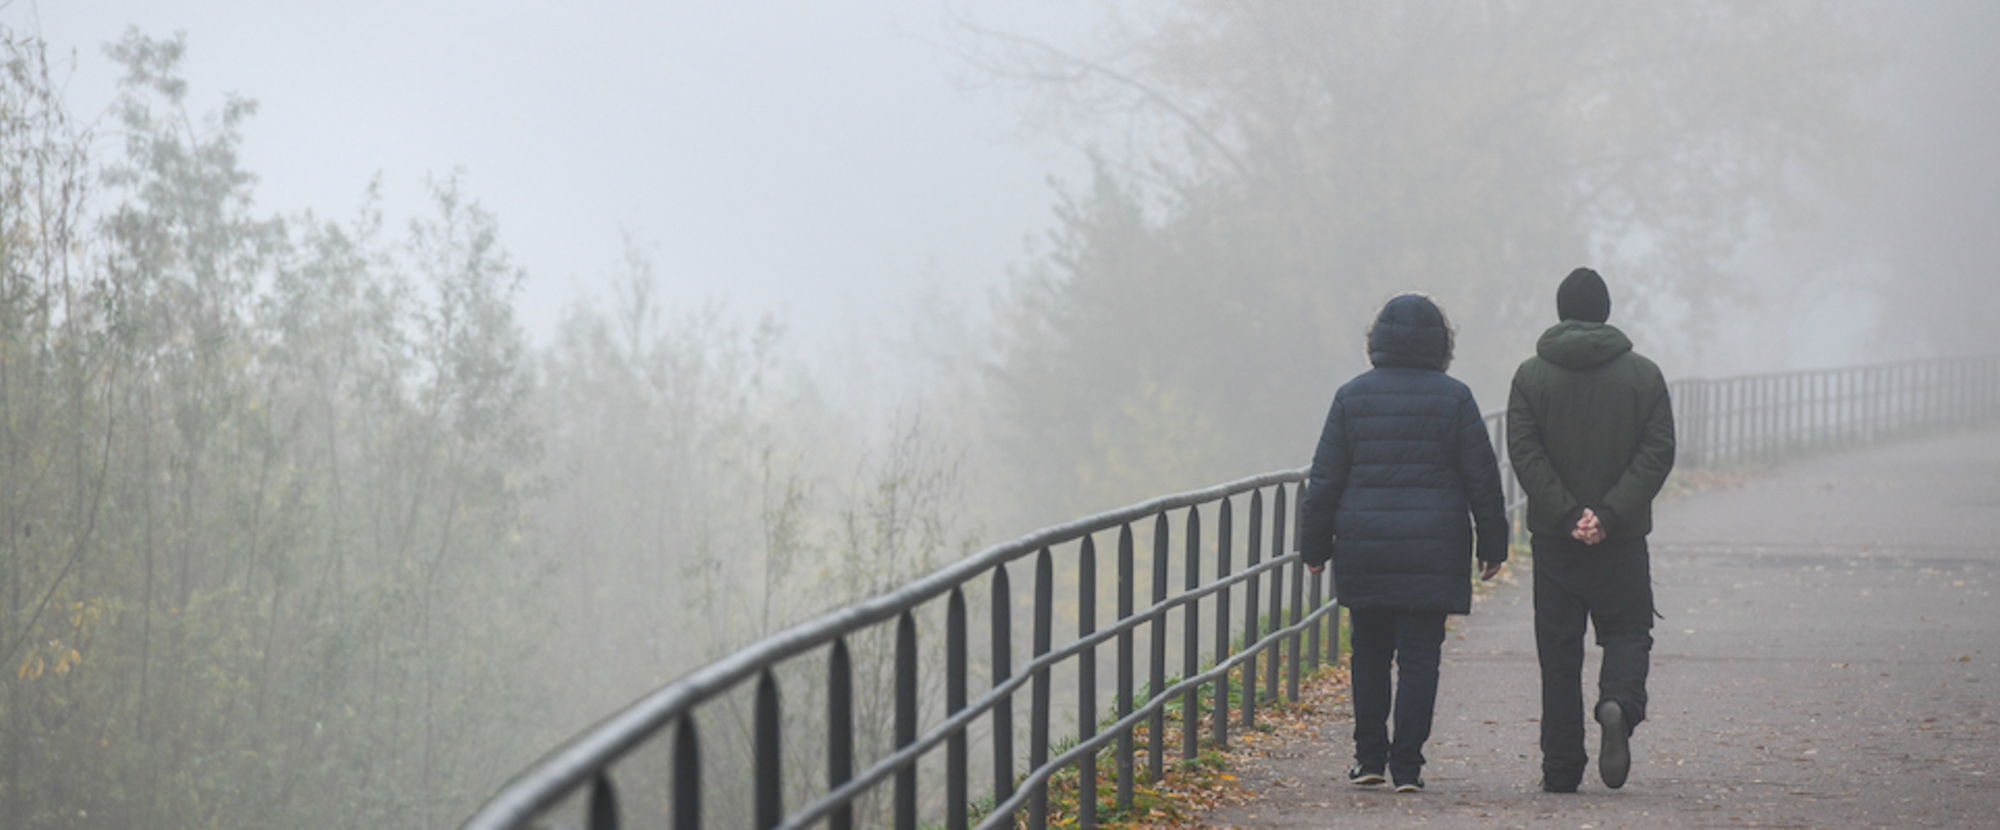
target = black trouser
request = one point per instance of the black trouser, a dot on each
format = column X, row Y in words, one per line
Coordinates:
column 1412, row 640
column 1610, row 585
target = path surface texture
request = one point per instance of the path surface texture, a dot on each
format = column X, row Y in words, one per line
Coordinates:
column 1829, row 657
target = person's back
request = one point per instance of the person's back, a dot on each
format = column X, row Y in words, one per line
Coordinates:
column 1597, row 405
column 1590, row 432
column 1403, row 480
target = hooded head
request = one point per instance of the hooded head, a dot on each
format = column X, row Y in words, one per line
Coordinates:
column 1412, row 332
column 1583, row 297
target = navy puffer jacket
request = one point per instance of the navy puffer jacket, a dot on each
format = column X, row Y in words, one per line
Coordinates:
column 1403, row 472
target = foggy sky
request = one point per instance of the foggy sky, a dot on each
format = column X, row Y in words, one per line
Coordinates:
column 813, row 159
column 821, row 160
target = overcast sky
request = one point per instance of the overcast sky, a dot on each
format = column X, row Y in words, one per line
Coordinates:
column 814, row 159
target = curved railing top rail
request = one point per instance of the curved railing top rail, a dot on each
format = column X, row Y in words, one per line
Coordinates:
column 571, row 765
column 1751, row 416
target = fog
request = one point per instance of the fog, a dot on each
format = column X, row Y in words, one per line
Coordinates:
column 808, row 160
column 500, row 363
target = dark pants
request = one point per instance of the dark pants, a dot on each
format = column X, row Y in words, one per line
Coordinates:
column 1610, row 586
column 1412, row 640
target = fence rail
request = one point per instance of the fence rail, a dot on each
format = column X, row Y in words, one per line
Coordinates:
column 1286, row 618
column 1759, row 418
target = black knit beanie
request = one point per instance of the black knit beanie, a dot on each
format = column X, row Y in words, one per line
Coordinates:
column 1583, row 297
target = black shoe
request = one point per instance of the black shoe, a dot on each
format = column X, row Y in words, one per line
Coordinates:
column 1614, row 755
column 1553, row 787
column 1414, row 785
column 1365, row 776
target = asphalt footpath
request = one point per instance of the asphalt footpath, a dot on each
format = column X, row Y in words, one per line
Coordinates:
column 1829, row 658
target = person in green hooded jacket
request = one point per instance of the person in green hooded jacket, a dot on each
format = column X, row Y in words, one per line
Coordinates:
column 1590, row 432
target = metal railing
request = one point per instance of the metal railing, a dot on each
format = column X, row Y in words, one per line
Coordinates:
column 1285, row 618
column 1761, row 418
column 1284, row 615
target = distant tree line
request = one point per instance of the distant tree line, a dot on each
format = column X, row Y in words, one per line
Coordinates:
column 298, row 530
column 1265, row 175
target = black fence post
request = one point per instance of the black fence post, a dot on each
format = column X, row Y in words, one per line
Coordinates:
column 687, row 774
column 1003, row 668
column 1219, row 713
column 1275, row 653
column 1191, row 638
column 1086, row 682
column 1125, row 666
column 603, row 804
column 1251, row 631
column 1313, row 631
column 840, row 729
column 957, row 797
column 770, row 787
column 906, row 719
column 1298, row 603
column 1038, row 707
column 1156, row 732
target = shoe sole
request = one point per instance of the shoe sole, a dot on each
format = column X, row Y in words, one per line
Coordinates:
column 1367, row 780
column 1614, row 755
column 1409, row 788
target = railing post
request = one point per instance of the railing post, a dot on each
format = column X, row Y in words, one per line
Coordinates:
column 687, row 774
column 840, row 729
column 1191, row 638
column 770, row 787
column 906, row 719
column 1298, row 570
column 1003, row 668
column 957, row 795
column 1125, row 667
column 1086, row 681
column 1313, row 631
column 603, row 803
column 1038, row 710
column 1706, row 394
column 1767, row 424
column 1276, row 652
column 1219, row 713
column 1156, row 732
column 1253, row 557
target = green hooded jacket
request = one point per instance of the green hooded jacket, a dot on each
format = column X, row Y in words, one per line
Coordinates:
column 1589, row 424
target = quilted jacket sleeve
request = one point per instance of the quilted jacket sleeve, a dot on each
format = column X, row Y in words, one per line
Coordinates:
column 1647, row 473
column 1481, row 474
column 1324, row 484
column 1525, row 449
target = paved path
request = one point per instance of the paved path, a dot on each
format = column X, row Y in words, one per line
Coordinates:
column 1830, row 657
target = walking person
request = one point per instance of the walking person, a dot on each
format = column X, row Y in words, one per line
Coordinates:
column 1403, row 474
column 1590, row 431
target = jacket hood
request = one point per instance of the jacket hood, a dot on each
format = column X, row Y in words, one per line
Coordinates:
column 1410, row 332
column 1575, row 344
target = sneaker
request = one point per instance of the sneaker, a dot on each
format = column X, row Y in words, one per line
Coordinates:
column 1553, row 787
column 1614, row 755
column 1363, row 776
column 1414, row 785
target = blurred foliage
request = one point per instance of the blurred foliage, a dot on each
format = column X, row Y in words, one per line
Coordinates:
column 262, row 484
column 296, row 530
column 1265, row 175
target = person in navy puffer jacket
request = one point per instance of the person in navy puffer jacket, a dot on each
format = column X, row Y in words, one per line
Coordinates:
column 1403, row 491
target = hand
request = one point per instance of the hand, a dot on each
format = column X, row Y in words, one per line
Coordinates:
column 1588, row 529
column 1490, row 570
column 1315, row 569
